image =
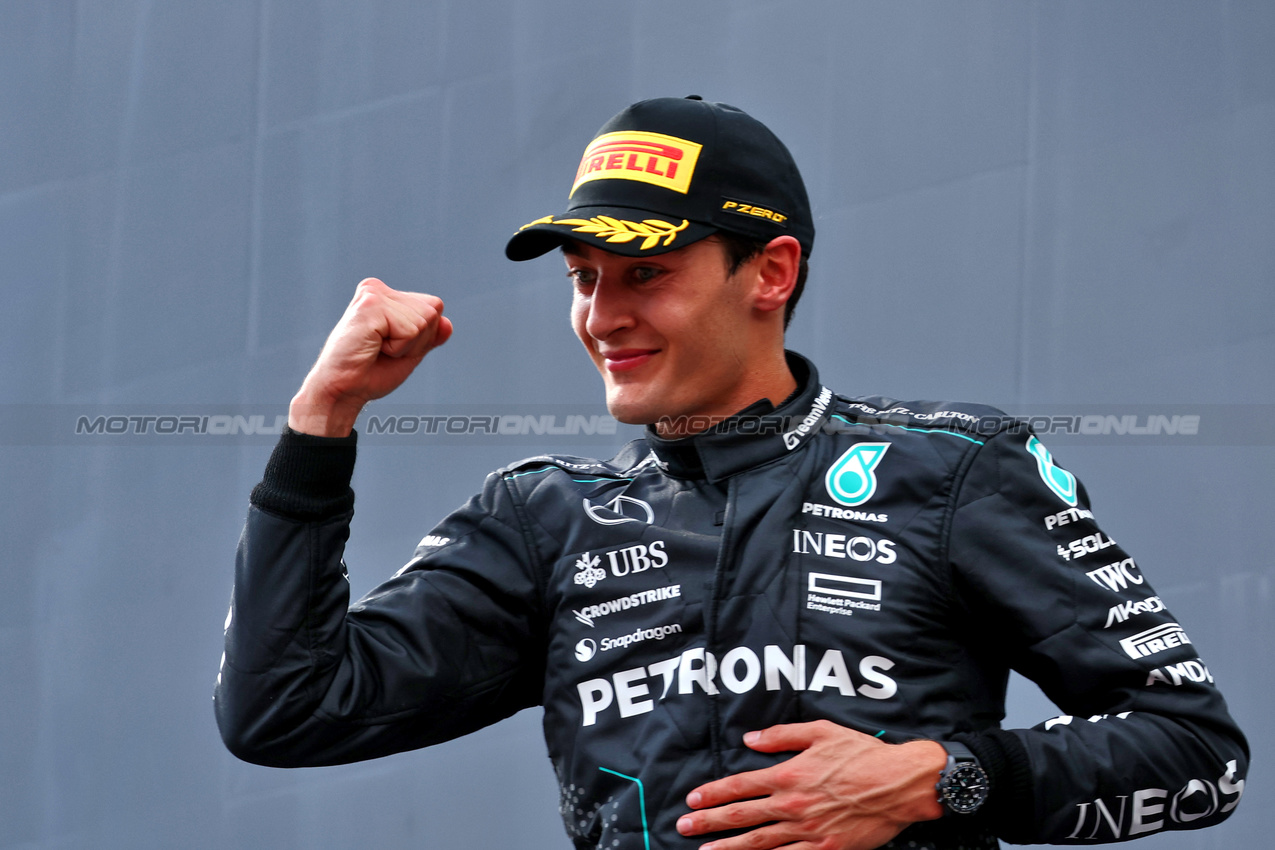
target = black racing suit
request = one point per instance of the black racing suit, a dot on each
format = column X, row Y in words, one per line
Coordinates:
column 878, row 564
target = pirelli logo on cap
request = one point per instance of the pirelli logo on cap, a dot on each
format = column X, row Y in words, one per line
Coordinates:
column 654, row 158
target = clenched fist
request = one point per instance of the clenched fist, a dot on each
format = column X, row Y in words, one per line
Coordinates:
column 383, row 335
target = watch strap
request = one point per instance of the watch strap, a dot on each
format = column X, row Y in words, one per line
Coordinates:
column 963, row 783
column 958, row 752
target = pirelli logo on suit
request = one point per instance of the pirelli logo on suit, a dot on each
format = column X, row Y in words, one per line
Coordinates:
column 664, row 161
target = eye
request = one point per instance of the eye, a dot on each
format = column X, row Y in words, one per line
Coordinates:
column 581, row 277
column 645, row 274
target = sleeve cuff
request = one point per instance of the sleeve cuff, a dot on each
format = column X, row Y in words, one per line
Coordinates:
column 1010, row 809
column 308, row 477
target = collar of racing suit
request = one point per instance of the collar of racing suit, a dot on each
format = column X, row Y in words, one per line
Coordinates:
column 755, row 435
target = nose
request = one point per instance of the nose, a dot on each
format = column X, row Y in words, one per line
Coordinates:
column 610, row 308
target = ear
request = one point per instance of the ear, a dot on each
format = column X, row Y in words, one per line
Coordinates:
column 776, row 271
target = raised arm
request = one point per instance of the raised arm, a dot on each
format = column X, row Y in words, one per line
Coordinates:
column 444, row 647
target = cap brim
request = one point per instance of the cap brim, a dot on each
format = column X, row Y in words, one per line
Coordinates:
column 620, row 230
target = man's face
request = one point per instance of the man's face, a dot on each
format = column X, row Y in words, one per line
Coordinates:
column 670, row 334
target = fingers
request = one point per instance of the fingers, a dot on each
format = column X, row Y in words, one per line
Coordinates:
column 842, row 790
column 762, row 838
column 739, row 786
column 742, row 786
column 788, row 737
column 444, row 332
column 408, row 324
column 735, row 816
column 725, row 817
column 412, row 325
column 380, row 340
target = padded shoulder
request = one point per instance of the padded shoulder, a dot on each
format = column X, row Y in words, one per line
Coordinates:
column 960, row 416
column 631, row 459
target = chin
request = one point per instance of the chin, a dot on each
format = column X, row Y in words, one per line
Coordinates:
column 632, row 411
column 631, row 414
column 669, row 425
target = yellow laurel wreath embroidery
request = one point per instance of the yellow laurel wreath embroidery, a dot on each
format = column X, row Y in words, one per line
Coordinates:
column 652, row 230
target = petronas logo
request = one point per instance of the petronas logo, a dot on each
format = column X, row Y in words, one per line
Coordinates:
column 1062, row 482
column 851, row 481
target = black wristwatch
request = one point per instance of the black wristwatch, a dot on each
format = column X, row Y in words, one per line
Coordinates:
column 962, row 785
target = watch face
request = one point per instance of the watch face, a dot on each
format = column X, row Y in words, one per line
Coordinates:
column 964, row 788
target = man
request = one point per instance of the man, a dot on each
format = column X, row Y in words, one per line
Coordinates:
column 784, row 618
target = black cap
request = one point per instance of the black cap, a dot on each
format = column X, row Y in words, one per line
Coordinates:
column 667, row 172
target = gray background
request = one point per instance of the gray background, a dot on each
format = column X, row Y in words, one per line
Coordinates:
column 1029, row 204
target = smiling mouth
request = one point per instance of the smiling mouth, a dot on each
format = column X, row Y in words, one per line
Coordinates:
column 629, row 359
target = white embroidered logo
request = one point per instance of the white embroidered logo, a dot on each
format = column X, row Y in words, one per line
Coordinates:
column 589, row 574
